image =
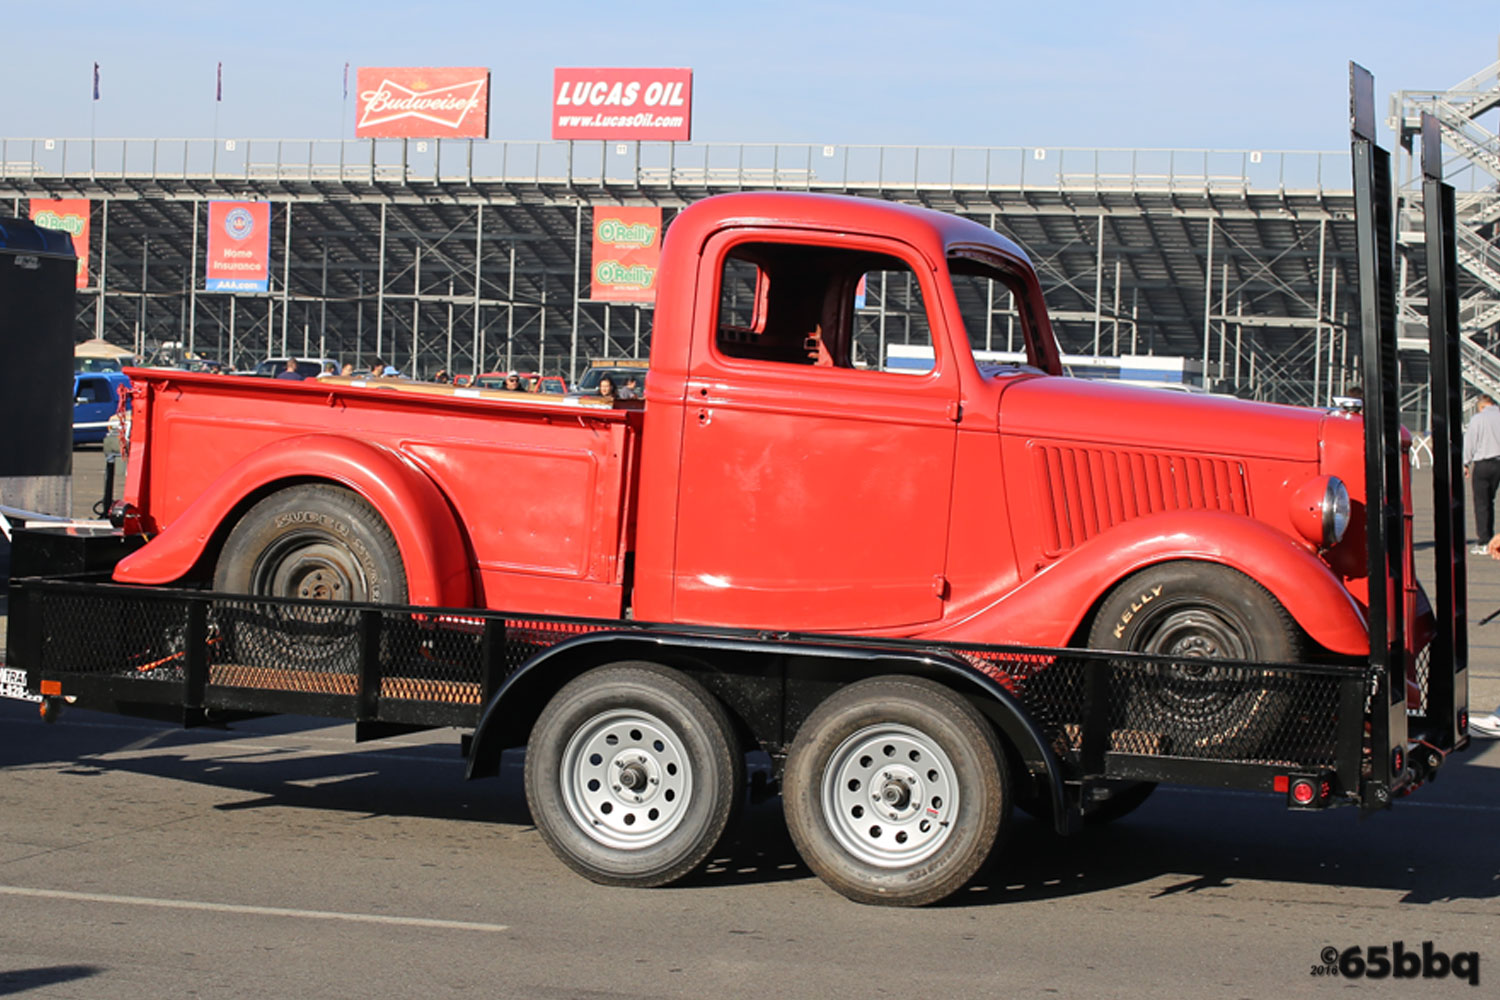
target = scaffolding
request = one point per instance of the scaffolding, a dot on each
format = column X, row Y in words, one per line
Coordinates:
column 471, row 255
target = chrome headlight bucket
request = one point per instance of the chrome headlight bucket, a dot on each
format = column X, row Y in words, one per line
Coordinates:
column 1320, row 510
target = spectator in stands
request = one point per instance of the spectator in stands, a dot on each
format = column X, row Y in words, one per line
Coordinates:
column 290, row 372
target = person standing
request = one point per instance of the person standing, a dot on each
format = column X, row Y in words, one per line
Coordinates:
column 1482, row 468
column 290, row 372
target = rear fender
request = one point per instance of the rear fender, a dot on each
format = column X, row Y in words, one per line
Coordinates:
column 433, row 551
column 1053, row 606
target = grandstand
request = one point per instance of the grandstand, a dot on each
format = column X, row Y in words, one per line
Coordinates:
column 474, row 254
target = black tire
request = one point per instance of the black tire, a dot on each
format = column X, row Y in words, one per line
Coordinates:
column 312, row 541
column 317, row 542
column 633, row 771
column 1194, row 612
column 895, row 791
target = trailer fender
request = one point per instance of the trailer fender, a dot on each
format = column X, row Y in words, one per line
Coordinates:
column 1053, row 606
column 433, row 550
column 507, row 720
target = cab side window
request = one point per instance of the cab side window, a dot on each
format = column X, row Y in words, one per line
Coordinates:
column 816, row 306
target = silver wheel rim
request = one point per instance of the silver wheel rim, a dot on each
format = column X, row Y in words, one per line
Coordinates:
column 626, row 780
column 890, row 796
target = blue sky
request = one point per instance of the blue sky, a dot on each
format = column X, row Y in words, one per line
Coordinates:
column 1258, row 74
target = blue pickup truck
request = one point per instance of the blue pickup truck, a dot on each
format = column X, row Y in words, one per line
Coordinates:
column 96, row 397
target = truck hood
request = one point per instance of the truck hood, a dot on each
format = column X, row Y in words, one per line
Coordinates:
column 1103, row 413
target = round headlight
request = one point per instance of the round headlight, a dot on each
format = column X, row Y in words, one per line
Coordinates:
column 1320, row 510
column 1335, row 511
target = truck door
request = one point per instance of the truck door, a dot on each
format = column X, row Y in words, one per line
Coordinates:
column 815, row 476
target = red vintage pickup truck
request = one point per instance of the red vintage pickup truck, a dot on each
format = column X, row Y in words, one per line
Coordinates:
column 787, row 544
column 766, row 483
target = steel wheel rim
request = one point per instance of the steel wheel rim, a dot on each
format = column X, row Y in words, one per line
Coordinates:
column 890, row 796
column 309, row 566
column 1194, row 690
column 626, row 779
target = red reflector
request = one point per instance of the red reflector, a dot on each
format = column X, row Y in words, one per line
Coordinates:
column 52, row 687
column 1279, row 783
column 1303, row 792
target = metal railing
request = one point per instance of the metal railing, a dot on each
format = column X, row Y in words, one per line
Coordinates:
column 699, row 165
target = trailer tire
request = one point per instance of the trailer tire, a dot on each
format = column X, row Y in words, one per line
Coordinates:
column 316, row 542
column 896, row 791
column 633, row 771
column 1198, row 611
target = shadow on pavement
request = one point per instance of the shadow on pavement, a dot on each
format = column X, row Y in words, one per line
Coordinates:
column 21, row 980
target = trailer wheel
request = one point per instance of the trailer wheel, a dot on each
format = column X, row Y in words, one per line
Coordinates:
column 1198, row 612
column 632, row 773
column 895, row 791
column 314, row 542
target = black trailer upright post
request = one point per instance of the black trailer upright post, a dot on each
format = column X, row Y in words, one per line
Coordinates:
column 1446, row 710
column 1384, row 516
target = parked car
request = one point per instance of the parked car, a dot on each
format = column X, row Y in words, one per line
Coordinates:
column 96, row 398
column 621, row 371
column 552, row 385
column 306, row 367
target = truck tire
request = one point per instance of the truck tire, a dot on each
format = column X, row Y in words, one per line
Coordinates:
column 1195, row 612
column 633, row 771
column 314, row 542
column 895, row 791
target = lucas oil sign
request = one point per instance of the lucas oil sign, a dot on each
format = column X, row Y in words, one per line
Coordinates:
column 650, row 104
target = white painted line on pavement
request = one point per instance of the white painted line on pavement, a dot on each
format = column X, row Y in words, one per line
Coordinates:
column 254, row 911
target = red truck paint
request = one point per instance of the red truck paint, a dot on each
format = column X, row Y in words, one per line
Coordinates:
column 958, row 504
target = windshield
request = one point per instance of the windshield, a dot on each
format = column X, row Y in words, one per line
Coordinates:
column 1002, row 313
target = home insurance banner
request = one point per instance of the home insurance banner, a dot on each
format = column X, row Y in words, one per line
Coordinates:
column 239, row 246
column 71, row 215
column 626, row 254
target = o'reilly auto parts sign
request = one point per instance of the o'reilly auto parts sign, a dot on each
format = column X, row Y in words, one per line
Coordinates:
column 423, row 102
column 622, row 104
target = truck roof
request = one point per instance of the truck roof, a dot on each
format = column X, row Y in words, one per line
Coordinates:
column 852, row 214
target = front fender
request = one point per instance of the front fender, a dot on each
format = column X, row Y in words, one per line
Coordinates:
column 1051, row 607
column 433, row 550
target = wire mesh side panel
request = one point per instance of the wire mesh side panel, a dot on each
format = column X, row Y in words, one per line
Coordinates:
column 431, row 658
column 1183, row 709
column 1422, row 670
column 110, row 635
column 1203, row 710
column 284, row 647
column 526, row 637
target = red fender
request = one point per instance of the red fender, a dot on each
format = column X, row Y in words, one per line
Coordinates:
column 432, row 546
column 1049, row 608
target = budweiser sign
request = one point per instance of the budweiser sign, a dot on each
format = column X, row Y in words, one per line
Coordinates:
column 622, row 104
column 423, row 103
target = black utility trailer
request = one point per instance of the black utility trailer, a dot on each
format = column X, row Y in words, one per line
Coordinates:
column 1074, row 735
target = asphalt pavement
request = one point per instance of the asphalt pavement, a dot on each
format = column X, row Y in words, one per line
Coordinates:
column 280, row 859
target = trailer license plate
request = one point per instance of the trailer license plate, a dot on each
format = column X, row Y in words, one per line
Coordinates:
column 13, row 685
